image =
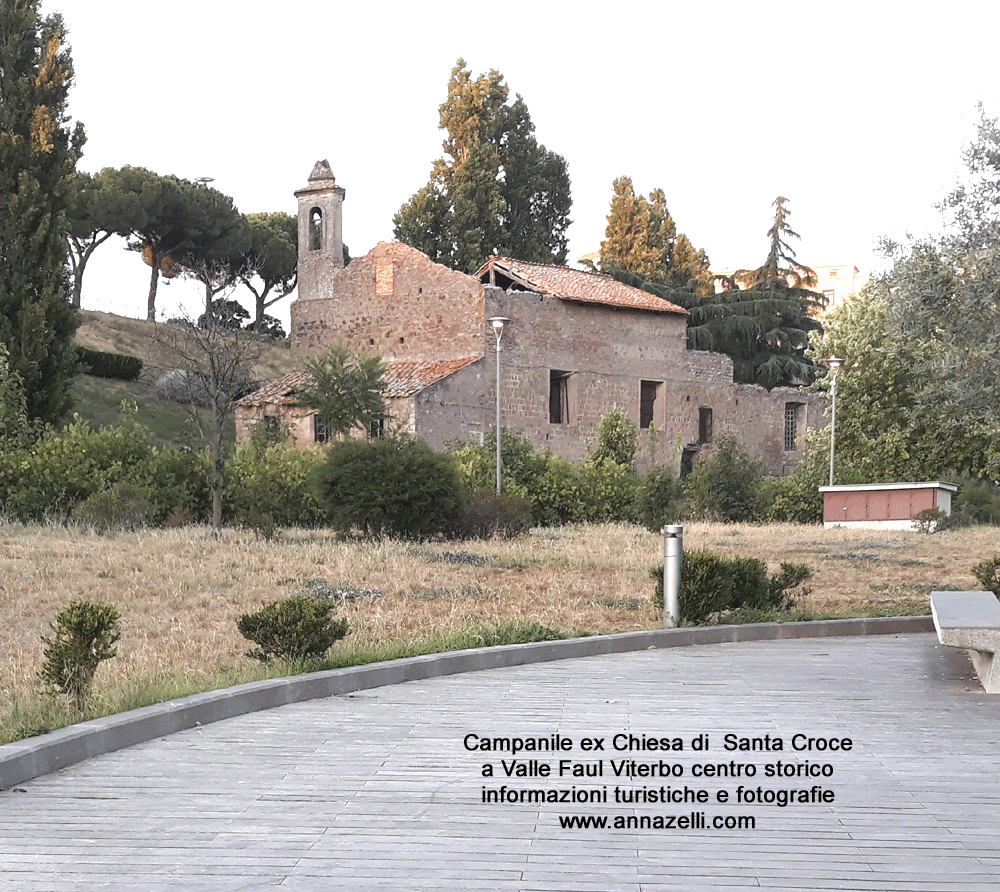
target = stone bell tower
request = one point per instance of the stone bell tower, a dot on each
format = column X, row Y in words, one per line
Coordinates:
column 321, row 239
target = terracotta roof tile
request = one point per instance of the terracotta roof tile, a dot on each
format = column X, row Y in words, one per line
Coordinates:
column 403, row 378
column 278, row 392
column 406, row 377
column 578, row 285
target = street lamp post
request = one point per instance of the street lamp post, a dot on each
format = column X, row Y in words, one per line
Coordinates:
column 834, row 363
column 498, row 322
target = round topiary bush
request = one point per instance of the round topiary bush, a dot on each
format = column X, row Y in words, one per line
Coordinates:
column 394, row 487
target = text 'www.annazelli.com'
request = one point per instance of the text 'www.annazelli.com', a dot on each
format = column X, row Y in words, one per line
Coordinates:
column 696, row 820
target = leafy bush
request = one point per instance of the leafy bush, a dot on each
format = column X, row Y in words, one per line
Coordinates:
column 490, row 515
column 559, row 491
column 393, row 486
column 931, row 520
column 272, row 487
column 712, row 584
column 988, row 574
column 617, row 438
column 520, row 464
column 84, row 636
column 122, row 507
column 979, row 502
column 297, row 630
column 65, row 467
column 724, row 485
column 102, row 364
column 176, row 484
column 609, row 493
column 660, row 500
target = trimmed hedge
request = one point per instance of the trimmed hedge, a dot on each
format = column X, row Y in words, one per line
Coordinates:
column 102, row 364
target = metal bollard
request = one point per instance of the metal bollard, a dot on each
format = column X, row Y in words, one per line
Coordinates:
column 673, row 553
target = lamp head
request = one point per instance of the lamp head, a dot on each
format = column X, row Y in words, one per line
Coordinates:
column 498, row 322
column 834, row 362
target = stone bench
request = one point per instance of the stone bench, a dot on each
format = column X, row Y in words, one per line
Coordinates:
column 971, row 620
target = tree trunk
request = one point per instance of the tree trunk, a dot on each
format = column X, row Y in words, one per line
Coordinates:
column 154, row 277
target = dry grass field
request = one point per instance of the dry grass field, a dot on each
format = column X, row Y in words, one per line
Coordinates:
column 180, row 591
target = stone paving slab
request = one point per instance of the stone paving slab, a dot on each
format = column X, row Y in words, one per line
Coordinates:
column 375, row 790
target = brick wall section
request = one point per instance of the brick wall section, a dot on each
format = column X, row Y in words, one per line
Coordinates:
column 609, row 352
column 431, row 313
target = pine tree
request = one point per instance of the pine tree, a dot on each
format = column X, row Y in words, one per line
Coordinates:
column 38, row 154
column 496, row 191
column 762, row 318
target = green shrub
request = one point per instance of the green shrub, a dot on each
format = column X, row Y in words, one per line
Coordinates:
column 65, row 467
column 272, row 487
column 177, row 485
column 297, row 630
column 617, row 438
column 988, row 574
column 101, row 364
column 122, row 507
column 714, row 584
column 796, row 498
column 489, row 515
column 724, row 485
column 978, row 501
column 609, row 493
column 520, row 464
column 559, row 491
column 660, row 500
column 84, row 636
column 393, row 486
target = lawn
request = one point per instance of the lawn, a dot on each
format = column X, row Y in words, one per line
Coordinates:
column 180, row 591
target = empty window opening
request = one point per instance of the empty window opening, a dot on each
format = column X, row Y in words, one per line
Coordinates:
column 559, row 397
column 704, row 425
column 792, row 411
column 687, row 461
column 321, row 433
column 315, row 229
column 376, row 428
column 650, row 403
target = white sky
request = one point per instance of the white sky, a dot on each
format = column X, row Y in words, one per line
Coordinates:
column 857, row 112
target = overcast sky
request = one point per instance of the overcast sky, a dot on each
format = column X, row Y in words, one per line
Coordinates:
column 857, row 112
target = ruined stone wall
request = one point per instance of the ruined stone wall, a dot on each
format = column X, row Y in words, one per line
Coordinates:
column 394, row 303
column 298, row 419
column 609, row 352
column 457, row 409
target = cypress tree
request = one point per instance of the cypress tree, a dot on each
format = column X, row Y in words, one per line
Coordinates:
column 38, row 154
column 496, row 191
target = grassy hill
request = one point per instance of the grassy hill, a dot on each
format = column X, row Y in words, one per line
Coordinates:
column 98, row 400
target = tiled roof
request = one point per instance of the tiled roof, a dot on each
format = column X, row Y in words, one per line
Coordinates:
column 575, row 284
column 403, row 377
column 281, row 391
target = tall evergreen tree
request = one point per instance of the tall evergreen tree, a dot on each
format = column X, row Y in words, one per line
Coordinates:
column 496, row 190
column 38, row 154
column 763, row 316
column 641, row 238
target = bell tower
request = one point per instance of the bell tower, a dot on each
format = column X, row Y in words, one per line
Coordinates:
column 321, row 239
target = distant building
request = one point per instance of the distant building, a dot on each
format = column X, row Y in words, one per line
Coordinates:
column 576, row 345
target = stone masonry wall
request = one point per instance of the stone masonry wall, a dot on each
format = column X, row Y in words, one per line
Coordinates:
column 395, row 303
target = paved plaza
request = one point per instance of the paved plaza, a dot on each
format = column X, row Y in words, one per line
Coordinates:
column 384, row 789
